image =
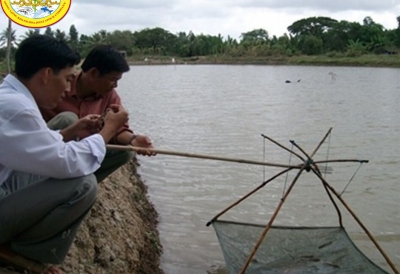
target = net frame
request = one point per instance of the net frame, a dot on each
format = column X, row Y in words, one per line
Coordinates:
column 308, row 165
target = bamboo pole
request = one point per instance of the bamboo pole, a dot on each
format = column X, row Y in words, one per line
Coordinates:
column 328, row 186
column 201, row 156
column 341, row 161
column 371, row 237
column 320, row 143
column 316, row 169
column 247, row 195
column 326, row 169
column 268, row 227
column 282, row 146
column 219, row 158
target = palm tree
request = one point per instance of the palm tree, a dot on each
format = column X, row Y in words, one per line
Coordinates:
column 49, row 32
column 61, row 35
column 7, row 35
column 8, row 38
column 29, row 33
column 98, row 38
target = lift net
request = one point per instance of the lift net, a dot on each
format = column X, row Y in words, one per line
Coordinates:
column 291, row 250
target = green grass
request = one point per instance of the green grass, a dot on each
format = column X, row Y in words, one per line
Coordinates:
column 332, row 59
column 363, row 60
column 371, row 60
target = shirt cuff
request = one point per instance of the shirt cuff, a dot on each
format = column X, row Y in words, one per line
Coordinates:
column 97, row 146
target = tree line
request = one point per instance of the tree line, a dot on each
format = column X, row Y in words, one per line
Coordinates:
column 309, row 36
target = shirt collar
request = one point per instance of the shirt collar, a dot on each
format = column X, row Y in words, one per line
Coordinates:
column 72, row 92
column 18, row 86
column 73, row 89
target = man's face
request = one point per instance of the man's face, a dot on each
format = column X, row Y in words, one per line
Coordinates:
column 107, row 82
column 56, row 87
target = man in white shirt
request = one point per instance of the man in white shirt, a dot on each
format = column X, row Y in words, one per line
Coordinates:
column 46, row 177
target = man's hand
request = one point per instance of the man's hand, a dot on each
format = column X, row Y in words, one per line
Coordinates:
column 115, row 117
column 87, row 126
column 143, row 142
column 82, row 128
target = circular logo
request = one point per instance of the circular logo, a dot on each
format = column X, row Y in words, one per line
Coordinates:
column 35, row 13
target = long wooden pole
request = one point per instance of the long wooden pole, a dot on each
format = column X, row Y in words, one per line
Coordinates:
column 282, row 146
column 369, row 234
column 202, row 156
column 247, row 195
column 271, row 221
column 316, row 169
column 328, row 186
column 340, row 161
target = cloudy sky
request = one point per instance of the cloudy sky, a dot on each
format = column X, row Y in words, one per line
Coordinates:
column 225, row 17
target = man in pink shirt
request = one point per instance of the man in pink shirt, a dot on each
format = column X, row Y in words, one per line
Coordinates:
column 93, row 92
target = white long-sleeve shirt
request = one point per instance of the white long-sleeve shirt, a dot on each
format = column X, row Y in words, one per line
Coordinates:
column 28, row 145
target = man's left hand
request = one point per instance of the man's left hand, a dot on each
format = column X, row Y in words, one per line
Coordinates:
column 144, row 142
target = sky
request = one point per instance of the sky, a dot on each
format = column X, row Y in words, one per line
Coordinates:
column 213, row 17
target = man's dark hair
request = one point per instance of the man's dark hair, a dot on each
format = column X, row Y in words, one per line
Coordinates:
column 105, row 59
column 43, row 51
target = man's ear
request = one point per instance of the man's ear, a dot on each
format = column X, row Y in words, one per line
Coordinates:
column 94, row 73
column 45, row 75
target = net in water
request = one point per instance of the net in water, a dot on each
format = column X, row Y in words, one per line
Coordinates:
column 291, row 250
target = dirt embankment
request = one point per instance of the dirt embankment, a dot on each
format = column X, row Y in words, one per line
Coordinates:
column 120, row 233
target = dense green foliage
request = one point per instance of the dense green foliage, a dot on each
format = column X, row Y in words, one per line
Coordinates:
column 310, row 36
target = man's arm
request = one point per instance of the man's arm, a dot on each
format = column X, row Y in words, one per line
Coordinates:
column 129, row 138
column 33, row 148
column 81, row 129
column 125, row 136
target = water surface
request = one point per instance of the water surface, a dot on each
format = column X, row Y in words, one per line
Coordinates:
column 223, row 110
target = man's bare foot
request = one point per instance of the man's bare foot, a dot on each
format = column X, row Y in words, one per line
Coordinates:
column 53, row 270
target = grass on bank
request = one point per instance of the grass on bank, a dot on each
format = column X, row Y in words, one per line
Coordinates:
column 371, row 60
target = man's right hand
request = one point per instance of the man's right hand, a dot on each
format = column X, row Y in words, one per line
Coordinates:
column 81, row 129
column 114, row 119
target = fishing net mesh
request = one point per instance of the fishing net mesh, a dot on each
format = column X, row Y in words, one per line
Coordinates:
column 291, row 250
